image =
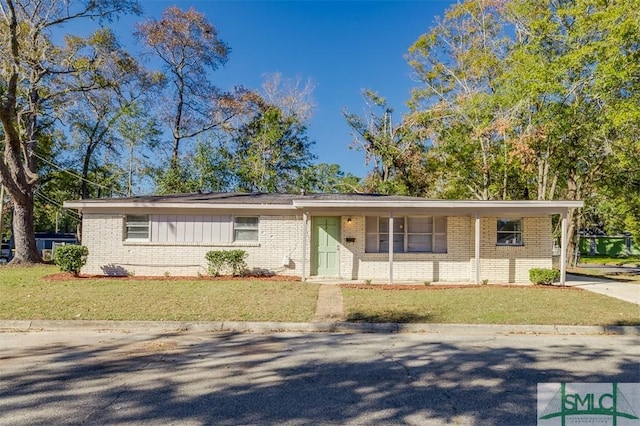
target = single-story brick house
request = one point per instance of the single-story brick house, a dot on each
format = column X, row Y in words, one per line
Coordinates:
column 342, row 236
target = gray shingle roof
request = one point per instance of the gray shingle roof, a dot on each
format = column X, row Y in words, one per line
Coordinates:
column 250, row 198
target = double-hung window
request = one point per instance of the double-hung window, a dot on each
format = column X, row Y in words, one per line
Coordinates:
column 245, row 228
column 509, row 232
column 136, row 227
column 411, row 234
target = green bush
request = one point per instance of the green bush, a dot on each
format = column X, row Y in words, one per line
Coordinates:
column 232, row 261
column 71, row 258
column 543, row 276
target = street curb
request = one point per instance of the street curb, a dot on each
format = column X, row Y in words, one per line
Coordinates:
column 312, row 327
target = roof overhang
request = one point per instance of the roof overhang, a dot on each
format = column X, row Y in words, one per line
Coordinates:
column 338, row 207
column 92, row 206
column 440, row 207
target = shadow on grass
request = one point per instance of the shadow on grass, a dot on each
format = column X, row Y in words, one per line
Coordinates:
column 389, row 316
column 625, row 322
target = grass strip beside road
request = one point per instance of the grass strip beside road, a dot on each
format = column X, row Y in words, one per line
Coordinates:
column 489, row 305
column 633, row 260
column 26, row 295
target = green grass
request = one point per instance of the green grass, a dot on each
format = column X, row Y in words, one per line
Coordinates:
column 25, row 294
column 608, row 260
column 489, row 305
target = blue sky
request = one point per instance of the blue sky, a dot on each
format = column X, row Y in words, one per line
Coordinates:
column 343, row 46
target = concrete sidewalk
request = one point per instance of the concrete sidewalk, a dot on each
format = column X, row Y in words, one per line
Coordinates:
column 311, row 327
column 629, row 292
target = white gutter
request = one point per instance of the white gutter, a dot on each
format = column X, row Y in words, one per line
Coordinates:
column 437, row 204
column 80, row 205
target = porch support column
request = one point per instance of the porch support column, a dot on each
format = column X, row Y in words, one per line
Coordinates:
column 390, row 247
column 563, row 249
column 304, row 246
column 477, row 248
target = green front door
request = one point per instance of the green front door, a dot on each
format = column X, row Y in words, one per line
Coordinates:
column 326, row 237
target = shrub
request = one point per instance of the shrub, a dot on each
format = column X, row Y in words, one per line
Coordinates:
column 543, row 276
column 227, row 260
column 71, row 258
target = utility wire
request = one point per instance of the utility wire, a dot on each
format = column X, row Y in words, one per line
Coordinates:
column 57, row 204
column 77, row 175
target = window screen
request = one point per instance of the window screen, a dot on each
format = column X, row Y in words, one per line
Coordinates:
column 245, row 228
column 137, row 227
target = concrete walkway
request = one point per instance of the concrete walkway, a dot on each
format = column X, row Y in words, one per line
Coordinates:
column 329, row 306
column 629, row 292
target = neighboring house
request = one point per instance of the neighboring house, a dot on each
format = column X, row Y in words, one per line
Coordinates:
column 342, row 236
column 46, row 240
column 608, row 245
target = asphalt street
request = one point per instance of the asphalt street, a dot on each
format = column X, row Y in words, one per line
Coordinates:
column 195, row 377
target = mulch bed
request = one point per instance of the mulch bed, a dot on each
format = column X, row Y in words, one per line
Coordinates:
column 447, row 286
column 67, row 276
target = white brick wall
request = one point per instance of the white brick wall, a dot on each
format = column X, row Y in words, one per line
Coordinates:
column 450, row 266
column 505, row 264
column 109, row 254
column 281, row 236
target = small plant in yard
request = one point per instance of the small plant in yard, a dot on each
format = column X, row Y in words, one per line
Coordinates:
column 543, row 275
column 427, row 283
column 227, row 260
column 485, row 282
column 71, row 258
column 367, row 282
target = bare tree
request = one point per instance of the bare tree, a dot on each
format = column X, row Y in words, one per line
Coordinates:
column 294, row 97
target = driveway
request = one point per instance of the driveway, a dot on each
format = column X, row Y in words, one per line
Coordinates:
column 192, row 378
column 629, row 292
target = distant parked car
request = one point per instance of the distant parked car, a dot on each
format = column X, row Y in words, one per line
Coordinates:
column 5, row 252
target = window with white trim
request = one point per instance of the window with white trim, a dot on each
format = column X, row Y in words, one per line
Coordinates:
column 509, row 232
column 245, row 228
column 411, row 234
column 136, row 227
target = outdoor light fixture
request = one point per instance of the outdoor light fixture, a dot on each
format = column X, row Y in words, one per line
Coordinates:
column 349, row 220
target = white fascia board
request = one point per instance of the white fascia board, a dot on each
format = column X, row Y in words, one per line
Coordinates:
column 82, row 205
column 440, row 204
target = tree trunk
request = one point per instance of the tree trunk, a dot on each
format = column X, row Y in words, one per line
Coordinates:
column 26, row 250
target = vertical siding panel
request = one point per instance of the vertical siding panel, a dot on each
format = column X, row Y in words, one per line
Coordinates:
column 206, row 230
column 180, row 228
column 162, row 228
column 171, row 228
column 190, row 223
column 227, row 229
column 215, row 229
column 154, row 227
column 197, row 228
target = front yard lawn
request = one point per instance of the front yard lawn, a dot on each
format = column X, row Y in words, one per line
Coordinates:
column 26, row 294
column 489, row 305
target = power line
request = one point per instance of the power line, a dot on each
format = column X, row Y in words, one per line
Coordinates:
column 57, row 204
column 77, row 175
